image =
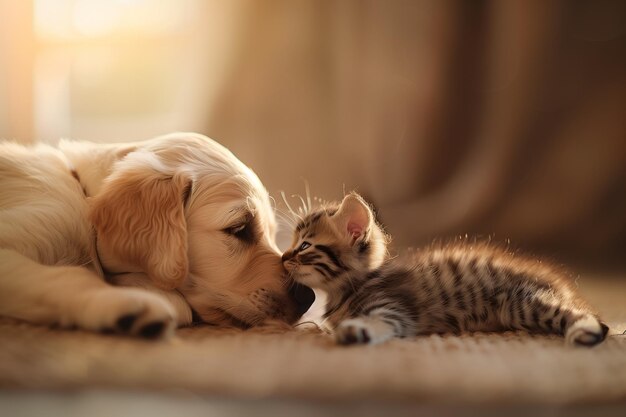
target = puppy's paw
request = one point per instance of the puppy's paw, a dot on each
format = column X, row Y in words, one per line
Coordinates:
column 129, row 311
column 353, row 331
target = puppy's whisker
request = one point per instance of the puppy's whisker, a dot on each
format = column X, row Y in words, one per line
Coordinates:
column 273, row 202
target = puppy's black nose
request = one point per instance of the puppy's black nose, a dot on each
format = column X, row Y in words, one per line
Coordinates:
column 303, row 296
column 287, row 256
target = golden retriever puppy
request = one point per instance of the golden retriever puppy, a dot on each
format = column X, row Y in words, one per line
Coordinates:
column 178, row 216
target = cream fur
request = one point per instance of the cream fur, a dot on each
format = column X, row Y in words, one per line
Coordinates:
column 132, row 196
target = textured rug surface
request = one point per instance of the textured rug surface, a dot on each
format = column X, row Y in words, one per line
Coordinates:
column 509, row 368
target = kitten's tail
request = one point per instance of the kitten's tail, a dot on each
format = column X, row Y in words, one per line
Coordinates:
column 584, row 330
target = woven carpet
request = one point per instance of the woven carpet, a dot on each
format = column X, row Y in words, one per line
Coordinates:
column 475, row 370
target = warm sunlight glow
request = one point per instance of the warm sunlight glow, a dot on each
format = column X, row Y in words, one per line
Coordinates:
column 106, row 67
column 69, row 20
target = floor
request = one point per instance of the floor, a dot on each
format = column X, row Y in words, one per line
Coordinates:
column 207, row 371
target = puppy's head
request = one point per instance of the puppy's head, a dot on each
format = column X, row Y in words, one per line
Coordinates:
column 185, row 211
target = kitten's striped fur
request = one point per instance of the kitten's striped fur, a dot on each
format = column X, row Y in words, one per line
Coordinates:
column 441, row 289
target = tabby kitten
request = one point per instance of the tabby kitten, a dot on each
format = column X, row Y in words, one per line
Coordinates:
column 449, row 289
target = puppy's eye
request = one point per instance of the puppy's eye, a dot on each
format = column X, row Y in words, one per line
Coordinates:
column 303, row 246
column 233, row 230
column 238, row 230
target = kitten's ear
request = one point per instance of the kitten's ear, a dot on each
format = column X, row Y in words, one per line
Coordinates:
column 354, row 216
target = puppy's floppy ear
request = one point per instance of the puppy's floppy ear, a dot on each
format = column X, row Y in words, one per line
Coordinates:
column 139, row 219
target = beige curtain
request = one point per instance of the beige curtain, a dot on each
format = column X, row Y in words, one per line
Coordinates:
column 492, row 118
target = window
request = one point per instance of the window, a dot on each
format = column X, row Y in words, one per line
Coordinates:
column 113, row 69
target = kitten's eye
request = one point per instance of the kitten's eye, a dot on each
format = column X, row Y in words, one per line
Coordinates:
column 303, row 246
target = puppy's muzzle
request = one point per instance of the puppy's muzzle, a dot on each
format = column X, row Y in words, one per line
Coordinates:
column 303, row 297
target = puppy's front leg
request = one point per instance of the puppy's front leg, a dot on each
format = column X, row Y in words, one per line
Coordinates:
column 141, row 280
column 71, row 296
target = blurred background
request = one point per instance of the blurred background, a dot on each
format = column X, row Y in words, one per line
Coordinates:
column 503, row 120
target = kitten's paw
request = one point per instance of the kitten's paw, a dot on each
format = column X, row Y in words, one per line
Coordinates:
column 587, row 331
column 353, row 331
column 129, row 311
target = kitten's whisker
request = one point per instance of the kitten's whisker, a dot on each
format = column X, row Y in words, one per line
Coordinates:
column 285, row 224
column 282, row 193
column 302, row 208
column 287, row 218
column 284, row 214
column 307, row 190
column 352, row 284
